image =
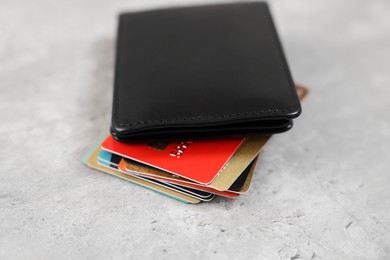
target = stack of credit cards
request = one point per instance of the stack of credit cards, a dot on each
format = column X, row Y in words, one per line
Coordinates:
column 189, row 171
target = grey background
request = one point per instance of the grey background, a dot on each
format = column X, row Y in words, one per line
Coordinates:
column 320, row 191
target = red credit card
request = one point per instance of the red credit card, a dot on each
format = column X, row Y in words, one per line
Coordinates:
column 199, row 161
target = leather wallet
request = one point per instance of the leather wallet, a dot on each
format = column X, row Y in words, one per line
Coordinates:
column 201, row 71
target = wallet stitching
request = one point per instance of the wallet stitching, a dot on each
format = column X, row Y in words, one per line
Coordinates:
column 118, row 70
column 278, row 44
column 205, row 117
column 193, row 118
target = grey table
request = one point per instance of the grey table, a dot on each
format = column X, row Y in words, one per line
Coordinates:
column 320, row 191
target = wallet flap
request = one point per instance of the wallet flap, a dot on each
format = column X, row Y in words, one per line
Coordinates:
column 201, row 68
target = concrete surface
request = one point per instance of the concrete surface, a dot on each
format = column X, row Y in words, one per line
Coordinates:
column 321, row 191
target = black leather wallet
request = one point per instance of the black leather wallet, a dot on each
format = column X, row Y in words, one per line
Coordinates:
column 201, row 71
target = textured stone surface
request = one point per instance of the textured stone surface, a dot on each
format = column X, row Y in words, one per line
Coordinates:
column 320, row 191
